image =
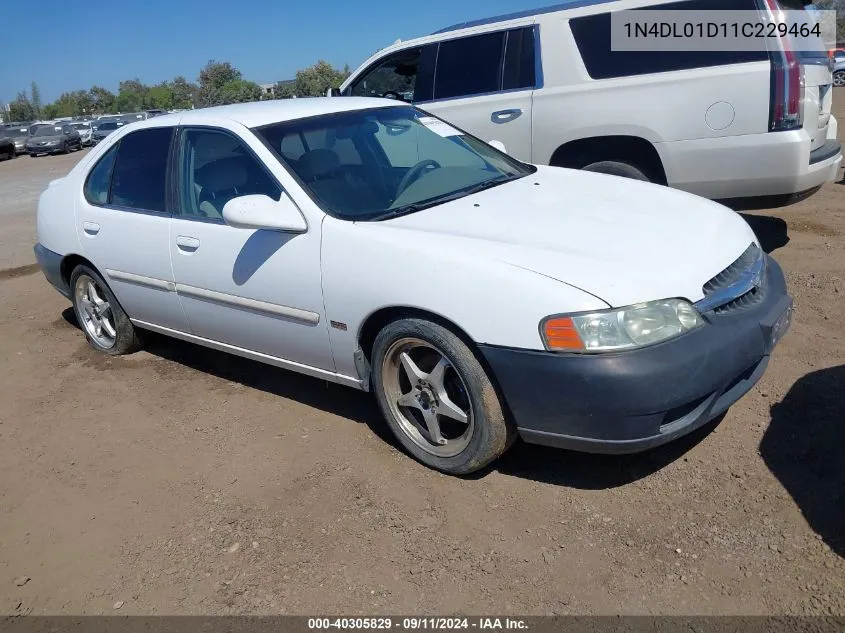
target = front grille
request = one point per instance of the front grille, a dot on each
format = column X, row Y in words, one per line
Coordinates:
column 737, row 287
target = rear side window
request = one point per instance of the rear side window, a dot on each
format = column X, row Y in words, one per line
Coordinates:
column 592, row 35
column 519, row 66
column 469, row 66
column 140, row 171
column 99, row 179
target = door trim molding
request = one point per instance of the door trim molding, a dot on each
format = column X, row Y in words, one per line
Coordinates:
column 308, row 370
column 297, row 314
column 141, row 280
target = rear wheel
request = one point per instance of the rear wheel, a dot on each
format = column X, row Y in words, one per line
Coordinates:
column 105, row 324
column 839, row 78
column 437, row 398
column 617, row 168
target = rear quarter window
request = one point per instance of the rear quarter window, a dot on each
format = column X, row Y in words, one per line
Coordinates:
column 592, row 36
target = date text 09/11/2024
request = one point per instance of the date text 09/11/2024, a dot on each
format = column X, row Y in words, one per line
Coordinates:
column 417, row 623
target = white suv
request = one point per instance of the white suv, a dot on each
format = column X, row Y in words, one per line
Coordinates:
column 752, row 129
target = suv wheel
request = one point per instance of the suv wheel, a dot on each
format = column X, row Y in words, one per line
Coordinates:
column 617, row 168
column 839, row 78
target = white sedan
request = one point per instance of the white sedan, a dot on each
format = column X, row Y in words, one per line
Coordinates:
column 366, row 242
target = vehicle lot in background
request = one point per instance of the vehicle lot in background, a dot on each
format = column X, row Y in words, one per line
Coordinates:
column 85, row 131
column 189, row 452
column 53, row 139
column 18, row 135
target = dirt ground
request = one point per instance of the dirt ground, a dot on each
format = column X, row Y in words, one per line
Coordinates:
column 185, row 481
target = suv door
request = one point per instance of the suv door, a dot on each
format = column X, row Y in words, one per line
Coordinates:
column 253, row 289
column 484, row 84
column 123, row 226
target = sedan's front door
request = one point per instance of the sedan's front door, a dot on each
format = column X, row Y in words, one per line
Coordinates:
column 123, row 226
column 256, row 290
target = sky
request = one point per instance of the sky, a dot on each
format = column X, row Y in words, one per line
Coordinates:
column 74, row 44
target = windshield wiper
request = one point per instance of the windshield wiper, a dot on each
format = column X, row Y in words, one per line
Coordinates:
column 460, row 193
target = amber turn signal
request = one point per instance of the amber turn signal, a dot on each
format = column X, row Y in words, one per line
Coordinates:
column 560, row 333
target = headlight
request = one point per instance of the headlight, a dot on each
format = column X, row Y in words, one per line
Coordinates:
column 620, row 328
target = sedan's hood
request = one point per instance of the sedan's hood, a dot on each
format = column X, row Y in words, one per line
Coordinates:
column 621, row 240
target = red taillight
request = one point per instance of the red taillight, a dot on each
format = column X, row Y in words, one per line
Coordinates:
column 787, row 87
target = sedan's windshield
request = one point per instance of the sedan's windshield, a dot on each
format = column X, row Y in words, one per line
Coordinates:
column 380, row 163
column 48, row 130
column 17, row 132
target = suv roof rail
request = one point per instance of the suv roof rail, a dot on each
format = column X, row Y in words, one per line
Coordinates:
column 572, row 4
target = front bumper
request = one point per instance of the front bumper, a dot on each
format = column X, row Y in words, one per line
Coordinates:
column 51, row 265
column 631, row 401
column 44, row 149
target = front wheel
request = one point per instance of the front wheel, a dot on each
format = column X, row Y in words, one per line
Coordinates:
column 105, row 324
column 437, row 398
column 839, row 78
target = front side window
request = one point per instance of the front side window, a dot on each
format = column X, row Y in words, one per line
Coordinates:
column 469, row 66
column 216, row 167
column 409, row 160
column 140, row 172
column 99, row 179
column 406, row 75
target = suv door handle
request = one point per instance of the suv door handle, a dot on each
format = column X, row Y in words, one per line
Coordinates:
column 91, row 228
column 187, row 243
column 506, row 116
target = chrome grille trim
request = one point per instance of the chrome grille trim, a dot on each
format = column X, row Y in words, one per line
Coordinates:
column 737, row 280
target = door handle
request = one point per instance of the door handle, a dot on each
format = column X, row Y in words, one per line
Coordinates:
column 91, row 228
column 187, row 243
column 506, row 116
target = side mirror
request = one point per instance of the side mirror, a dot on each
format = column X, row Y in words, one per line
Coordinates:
column 258, row 211
column 333, row 92
column 499, row 146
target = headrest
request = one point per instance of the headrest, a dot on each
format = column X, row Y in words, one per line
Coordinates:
column 221, row 175
column 317, row 163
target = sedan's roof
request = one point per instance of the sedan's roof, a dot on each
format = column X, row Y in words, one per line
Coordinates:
column 259, row 113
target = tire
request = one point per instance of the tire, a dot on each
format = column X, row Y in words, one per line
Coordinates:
column 839, row 78
column 66, row 148
column 126, row 338
column 617, row 168
column 466, row 447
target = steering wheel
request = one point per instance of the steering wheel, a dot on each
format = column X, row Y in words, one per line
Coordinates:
column 414, row 173
column 392, row 94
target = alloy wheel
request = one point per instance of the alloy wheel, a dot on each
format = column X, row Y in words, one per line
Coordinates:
column 95, row 312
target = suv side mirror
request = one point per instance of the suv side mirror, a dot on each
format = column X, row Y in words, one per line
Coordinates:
column 333, row 92
column 257, row 211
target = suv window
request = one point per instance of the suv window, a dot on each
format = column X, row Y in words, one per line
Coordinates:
column 519, row 68
column 140, row 171
column 98, row 181
column 407, row 74
column 469, row 66
column 592, row 35
column 216, row 167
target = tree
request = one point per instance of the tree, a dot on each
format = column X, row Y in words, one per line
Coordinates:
column 239, row 91
column 212, row 78
column 160, row 96
column 839, row 7
column 184, row 93
column 35, row 99
column 316, row 80
column 21, row 108
column 284, row 89
column 131, row 96
column 102, row 100
column 50, row 111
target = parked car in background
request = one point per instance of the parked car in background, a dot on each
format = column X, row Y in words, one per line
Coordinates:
column 7, row 146
column 839, row 69
column 53, row 139
column 754, row 128
column 18, row 136
column 132, row 117
column 85, row 131
column 371, row 244
column 152, row 113
column 104, row 128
